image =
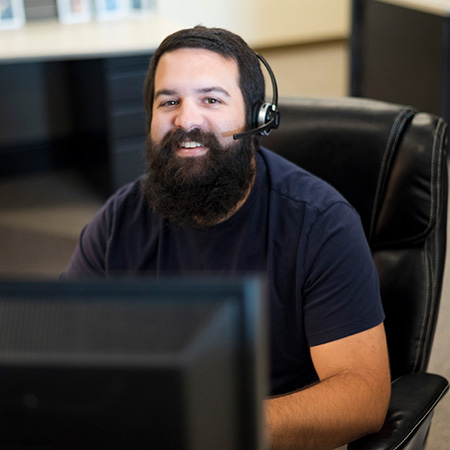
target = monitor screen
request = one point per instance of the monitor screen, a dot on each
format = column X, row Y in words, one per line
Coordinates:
column 169, row 363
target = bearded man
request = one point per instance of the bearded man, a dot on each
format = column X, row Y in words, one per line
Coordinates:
column 209, row 203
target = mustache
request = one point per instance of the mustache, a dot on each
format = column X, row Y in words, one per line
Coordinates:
column 173, row 139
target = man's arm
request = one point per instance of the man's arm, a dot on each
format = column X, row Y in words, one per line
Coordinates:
column 349, row 401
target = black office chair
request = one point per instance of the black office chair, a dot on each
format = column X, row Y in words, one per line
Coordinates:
column 390, row 162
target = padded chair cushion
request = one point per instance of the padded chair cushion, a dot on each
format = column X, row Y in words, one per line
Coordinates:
column 411, row 181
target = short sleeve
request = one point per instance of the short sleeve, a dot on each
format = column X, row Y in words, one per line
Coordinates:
column 341, row 289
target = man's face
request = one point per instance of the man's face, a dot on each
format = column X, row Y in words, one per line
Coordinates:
column 197, row 89
column 197, row 174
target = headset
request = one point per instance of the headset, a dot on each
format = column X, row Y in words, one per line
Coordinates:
column 266, row 117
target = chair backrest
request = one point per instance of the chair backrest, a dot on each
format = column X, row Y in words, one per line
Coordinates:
column 390, row 162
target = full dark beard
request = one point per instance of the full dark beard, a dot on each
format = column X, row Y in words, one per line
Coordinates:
column 197, row 191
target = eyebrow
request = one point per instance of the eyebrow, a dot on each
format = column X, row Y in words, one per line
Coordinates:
column 167, row 92
column 206, row 90
column 214, row 89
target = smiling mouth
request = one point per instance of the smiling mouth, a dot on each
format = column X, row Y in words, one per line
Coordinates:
column 190, row 144
column 191, row 148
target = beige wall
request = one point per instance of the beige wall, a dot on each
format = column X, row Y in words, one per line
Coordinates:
column 320, row 69
column 265, row 22
column 304, row 41
column 278, row 22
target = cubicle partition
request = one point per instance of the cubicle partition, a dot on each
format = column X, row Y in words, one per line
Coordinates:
column 109, row 118
column 400, row 53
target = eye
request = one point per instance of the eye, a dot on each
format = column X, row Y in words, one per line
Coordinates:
column 169, row 103
column 211, row 101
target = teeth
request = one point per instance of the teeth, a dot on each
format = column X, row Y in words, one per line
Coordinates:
column 189, row 144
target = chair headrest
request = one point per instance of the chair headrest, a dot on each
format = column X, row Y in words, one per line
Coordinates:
column 380, row 156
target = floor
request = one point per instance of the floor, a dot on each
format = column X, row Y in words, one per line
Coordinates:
column 42, row 215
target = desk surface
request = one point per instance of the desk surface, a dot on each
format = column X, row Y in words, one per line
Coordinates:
column 50, row 41
column 438, row 7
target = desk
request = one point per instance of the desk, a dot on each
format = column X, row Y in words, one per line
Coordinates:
column 75, row 91
column 401, row 52
column 50, row 41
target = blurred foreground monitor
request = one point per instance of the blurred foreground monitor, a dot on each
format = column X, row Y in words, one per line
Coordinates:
column 169, row 363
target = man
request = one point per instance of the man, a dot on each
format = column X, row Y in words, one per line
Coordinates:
column 209, row 203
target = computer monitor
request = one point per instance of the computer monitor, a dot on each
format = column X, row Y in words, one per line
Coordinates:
column 171, row 363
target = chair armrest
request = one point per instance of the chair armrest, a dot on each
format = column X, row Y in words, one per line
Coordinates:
column 413, row 399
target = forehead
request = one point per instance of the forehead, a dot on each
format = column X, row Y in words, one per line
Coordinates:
column 196, row 66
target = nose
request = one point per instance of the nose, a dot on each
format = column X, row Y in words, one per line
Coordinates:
column 189, row 116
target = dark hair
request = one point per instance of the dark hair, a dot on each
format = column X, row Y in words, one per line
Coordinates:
column 221, row 41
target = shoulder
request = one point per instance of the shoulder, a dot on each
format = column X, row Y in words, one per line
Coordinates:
column 123, row 210
column 128, row 198
column 129, row 193
column 296, row 185
column 115, row 235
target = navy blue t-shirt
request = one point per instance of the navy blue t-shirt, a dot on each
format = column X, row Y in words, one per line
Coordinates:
column 293, row 227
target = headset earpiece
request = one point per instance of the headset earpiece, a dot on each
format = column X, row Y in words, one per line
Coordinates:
column 265, row 117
